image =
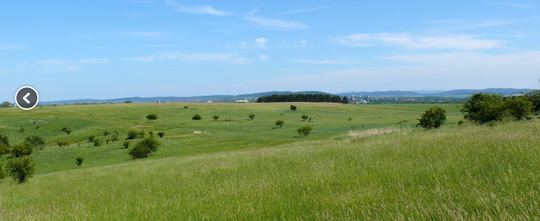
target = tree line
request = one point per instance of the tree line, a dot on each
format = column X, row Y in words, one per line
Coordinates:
column 303, row 98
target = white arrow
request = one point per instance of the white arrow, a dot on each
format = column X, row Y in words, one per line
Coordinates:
column 25, row 96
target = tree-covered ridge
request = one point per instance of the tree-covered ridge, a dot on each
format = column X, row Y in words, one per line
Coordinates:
column 302, row 98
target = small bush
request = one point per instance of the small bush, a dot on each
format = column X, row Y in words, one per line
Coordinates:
column 281, row 114
column 79, row 160
column 21, row 150
column 519, row 107
column 293, row 107
column 116, row 132
column 161, row 134
column 185, row 107
column 216, row 117
column 21, row 168
column 152, row 117
column 196, row 117
column 68, row 131
column 305, row 130
column 35, row 141
column 97, row 142
column 62, row 143
column 143, row 148
column 432, row 118
column 350, row 119
column 106, row 133
column 304, row 117
column 482, row 108
column 251, row 116
column 228, row 120
column 128, row 102
column 21, row 129
column 460, row 122
column 5, row 140
column 151, row 133
column 141, row 134
column 91, row 138
column 132, row 135
column 126, row 144
column 4, row 149
column 2, row 172
column 114, row 138
column 280, row 123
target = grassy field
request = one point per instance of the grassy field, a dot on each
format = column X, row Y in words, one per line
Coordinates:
column 386, row 171
column 328, row 120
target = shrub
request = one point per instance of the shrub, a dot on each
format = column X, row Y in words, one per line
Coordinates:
column 21, row 168
column 68, row 131
column 21, row 129
column 305, row 130
column 141, row 134
column 5, row 104
column 281, row 114
column 20, row 150
column 128, row 102
column 460, row 122
column 35, row 141
column 251, row 116
column 432, row 118
column 143, row 148
column 126, row 144
column 280, row 123
column 519, row 107
column 114, row 138
column 2, row 172
column 152, row 117
column 482, row 108
column 97, row 142
column 185, row 107
column 91, row 138
column 216, row 117
column 106, row 133
column 304, row 117
column 4, row 149
column 62, row 143
column 151, row 133
column 116, row 133
column 79, row 160
column 196, row 117
column 534, row 98
column 132, row 135
column 161, row 134
column 293, row 107
column 350, row 119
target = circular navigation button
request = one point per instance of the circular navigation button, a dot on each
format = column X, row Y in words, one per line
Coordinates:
column 26, row 98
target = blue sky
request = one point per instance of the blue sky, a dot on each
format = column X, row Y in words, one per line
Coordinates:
column 118, row 48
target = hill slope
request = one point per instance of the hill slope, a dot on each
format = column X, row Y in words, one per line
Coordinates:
column 460, row 173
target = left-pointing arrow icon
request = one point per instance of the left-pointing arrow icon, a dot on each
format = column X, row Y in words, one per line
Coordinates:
column 26, row 96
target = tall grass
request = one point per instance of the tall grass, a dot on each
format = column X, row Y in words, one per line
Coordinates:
column 464, row 173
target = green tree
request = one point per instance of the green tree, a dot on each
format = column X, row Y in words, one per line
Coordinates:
column 280, row 123
column 345, row 100
column 293, row 107
column 304, row 117
column 519, row 107
column 161, row 134
column 35, row 141
column 132, row 135
column 482, row 108
column 196, row 117
column 432, row 118
column 152, row 117
column 305, row 130
column 143, row 148
column 128, row 102
column 21, row 150
column 21, row 168
column 251, row 116
column 6, row 104
column 216, row 117
column 534, row 98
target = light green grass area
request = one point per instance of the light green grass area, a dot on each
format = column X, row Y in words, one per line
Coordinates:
column 329, row 121
column 461, row 173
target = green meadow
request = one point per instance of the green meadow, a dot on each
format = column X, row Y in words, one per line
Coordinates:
column 377, row 166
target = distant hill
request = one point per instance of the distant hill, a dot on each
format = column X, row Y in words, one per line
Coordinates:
column 254, row 96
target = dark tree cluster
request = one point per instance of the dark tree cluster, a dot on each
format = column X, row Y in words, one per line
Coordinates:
column 302, row 98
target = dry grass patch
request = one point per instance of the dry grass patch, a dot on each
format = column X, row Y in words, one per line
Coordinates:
column 377, row 131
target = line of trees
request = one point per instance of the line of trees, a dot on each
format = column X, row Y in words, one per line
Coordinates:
column 303, row 98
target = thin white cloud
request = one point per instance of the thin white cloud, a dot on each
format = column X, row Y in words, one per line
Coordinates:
column 80, row 61
column 263, row 57
column 198, row 9
column 231, row 58
column 460, row 42
column 512, row 4
column 320, row 61
column 305, row 10
column 11, row 47
column 273, row 23
column 261, row 42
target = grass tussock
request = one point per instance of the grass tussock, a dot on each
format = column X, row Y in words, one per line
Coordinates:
column 467, row 173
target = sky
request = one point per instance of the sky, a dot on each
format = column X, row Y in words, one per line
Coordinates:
column 103, row 49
